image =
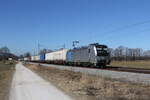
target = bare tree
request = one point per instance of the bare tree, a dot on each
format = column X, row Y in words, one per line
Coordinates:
column 131, row 54
column 146, row 55
column 27, row 54
column 21, row 56
column 4, row 50
column 111, row 51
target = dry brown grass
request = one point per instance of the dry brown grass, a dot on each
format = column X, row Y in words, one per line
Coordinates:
column 88, row 87
column 132, row 64
column 6, row 73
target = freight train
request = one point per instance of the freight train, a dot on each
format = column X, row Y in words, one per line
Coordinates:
column 91, row 55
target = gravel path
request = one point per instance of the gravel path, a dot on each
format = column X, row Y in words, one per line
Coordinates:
column 29, row 86
column 123, row 76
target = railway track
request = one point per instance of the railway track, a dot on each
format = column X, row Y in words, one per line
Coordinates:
column 122, row 69
column 119, row 69
column 133, row 70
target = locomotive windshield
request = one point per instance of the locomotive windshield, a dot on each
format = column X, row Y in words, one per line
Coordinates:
column 102, row 51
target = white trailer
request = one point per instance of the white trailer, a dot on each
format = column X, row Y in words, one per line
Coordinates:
column 59, row 55
column 35, row 58
column 26, row 59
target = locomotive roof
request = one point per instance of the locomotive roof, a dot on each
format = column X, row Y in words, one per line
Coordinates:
column 95, row 44
column 99, row 45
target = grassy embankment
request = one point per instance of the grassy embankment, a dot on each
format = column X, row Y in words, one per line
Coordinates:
column 132, row 64
column 6, row 73
column 87, row 87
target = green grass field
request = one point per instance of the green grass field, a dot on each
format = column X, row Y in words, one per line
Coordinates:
column 132, row 64
column 6, row 73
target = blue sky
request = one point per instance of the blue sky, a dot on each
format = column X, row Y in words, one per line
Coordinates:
column 56, row 22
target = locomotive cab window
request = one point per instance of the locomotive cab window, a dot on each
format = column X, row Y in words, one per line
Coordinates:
column 102, row 51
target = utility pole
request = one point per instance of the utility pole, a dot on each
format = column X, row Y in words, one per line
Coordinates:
column 38, row 48
column 64, row 46
column 34, row 53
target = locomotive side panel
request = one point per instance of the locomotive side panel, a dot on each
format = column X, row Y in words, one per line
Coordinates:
column 81, row 55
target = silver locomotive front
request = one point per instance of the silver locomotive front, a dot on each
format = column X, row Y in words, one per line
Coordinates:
column 102, row 55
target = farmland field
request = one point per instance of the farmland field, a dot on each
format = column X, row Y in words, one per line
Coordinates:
column 132, row 64
column 6, row 73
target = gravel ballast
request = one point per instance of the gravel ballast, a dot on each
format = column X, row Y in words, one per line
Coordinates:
column 122, row 76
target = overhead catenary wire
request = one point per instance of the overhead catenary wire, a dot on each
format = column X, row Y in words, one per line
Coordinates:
column 128, row 26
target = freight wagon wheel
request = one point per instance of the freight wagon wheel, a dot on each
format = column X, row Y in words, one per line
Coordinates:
column 102, row 66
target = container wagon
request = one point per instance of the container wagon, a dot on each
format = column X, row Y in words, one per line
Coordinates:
column 26, row 59
column 35, row 58
column 42, row 58
column 56, row 57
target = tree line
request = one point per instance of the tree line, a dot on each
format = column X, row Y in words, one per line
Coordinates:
column 4, row 50
column 129, row 54
column 5, row 53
